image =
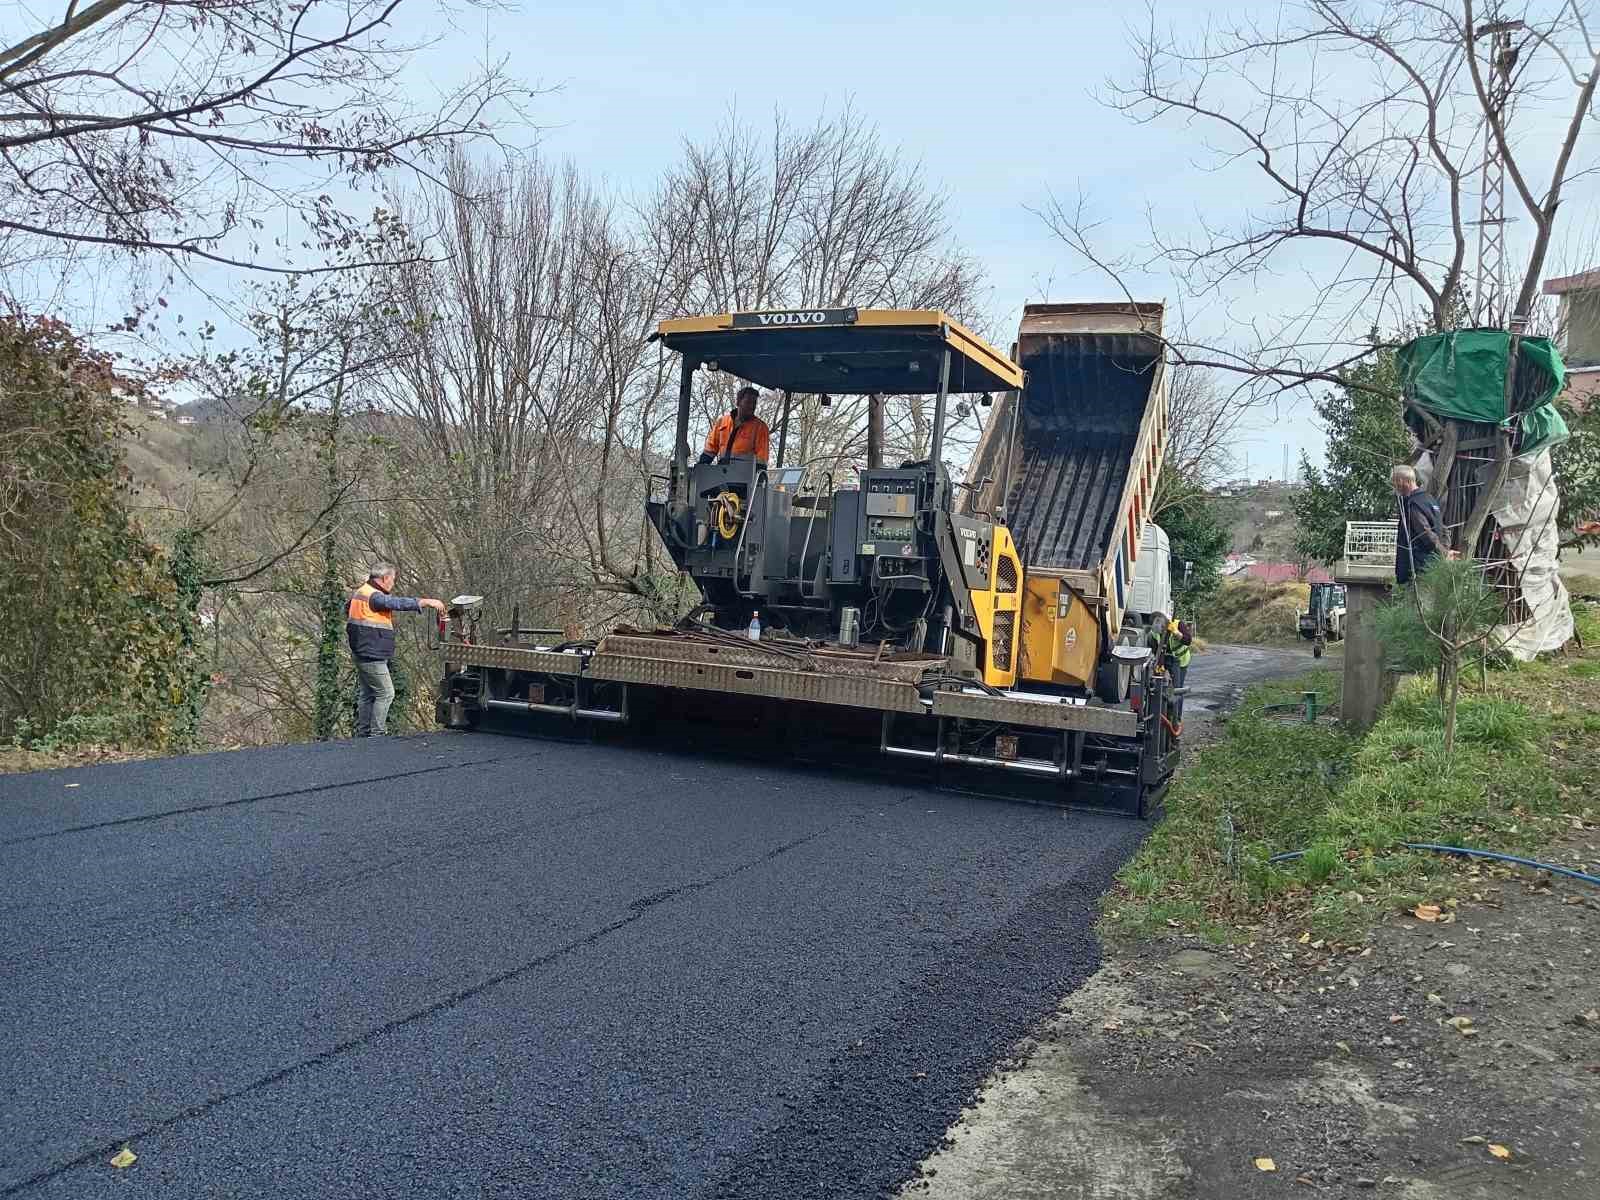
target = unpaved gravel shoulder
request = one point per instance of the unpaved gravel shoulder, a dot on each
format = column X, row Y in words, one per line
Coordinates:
column 1388, row 1067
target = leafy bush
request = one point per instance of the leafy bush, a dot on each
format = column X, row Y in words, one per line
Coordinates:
column 96, row 637
column 1448, row 611
column 1366, row 436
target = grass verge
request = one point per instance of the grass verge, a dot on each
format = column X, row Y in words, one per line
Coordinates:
column 1526, row 746
column 1253, row 612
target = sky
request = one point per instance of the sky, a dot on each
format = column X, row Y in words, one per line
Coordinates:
column 995, row 100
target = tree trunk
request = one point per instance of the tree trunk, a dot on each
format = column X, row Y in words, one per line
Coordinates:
column 187, row 552
column 1452, row 670
column 325, row 721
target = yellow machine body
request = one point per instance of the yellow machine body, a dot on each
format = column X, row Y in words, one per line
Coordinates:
column 1060, row 634
column 998, row 609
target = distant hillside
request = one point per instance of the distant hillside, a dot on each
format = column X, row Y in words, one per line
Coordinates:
column 1260, row 520
column 165, row 460
column 1252, row 612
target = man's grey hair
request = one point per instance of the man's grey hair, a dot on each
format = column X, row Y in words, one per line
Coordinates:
column 379, row 569
column 1404, row 473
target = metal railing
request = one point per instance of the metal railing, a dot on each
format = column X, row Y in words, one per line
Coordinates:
column 1370, row 543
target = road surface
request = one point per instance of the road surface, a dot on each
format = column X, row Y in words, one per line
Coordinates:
column 477, row 966
column 1219, row 676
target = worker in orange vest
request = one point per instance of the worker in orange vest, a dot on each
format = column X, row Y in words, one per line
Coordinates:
column 369, row 624
column 739, row 433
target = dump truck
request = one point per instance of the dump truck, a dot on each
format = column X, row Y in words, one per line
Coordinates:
column 886, row 613
column 1153, row 574
column 1072, row 461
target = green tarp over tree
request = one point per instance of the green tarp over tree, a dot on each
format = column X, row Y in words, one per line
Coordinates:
column 1462, row 375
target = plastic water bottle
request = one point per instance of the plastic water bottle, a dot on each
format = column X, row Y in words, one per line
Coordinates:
column 755, row 627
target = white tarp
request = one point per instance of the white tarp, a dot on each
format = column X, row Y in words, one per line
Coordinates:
column 1526, row 513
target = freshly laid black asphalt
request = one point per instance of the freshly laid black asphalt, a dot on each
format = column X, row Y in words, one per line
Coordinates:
column 467, row 965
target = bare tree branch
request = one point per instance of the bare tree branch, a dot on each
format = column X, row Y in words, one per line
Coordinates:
column 164, row 127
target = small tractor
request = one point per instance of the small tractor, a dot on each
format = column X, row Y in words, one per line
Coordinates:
column 1323, row 620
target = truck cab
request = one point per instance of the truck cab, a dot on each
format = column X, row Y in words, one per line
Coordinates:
column 1152, row 577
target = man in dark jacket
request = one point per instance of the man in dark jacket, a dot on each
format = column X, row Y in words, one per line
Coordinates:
column 370, row 627
column 1420, row 536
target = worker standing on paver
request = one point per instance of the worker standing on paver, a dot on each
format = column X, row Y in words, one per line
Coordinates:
column 1173, row 641
column 369, row 623
column 739, row 433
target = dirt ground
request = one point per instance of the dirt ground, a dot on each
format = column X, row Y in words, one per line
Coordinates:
column 1456, row 1058
column 17, row 761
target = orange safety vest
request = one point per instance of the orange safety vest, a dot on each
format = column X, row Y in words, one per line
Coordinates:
column 361, row 611
column 749, row 442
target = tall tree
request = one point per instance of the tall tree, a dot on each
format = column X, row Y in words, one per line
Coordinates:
column 532, row 393
column 1366, row 438
column 824, row 215
column 1198, row 539
column 95, row 632
column 1355, row 133
column 1577, row 469
column 280, row 484
column 496, row 380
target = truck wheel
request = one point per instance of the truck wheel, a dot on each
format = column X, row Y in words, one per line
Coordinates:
column 1111, row 682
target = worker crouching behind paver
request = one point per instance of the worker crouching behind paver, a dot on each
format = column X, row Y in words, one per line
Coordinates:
column 369, row 623
column 1172, row 641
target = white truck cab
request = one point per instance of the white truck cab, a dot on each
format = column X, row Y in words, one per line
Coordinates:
column 1152, row 576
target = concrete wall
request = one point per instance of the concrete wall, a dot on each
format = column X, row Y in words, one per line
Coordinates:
column 1580, row 319
column 1367, row 686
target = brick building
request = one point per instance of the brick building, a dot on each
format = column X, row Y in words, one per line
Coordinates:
column 1579, row 298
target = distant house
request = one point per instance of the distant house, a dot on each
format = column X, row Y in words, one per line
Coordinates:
column 141, row 398
column 1580, row 331
column 1236, row 566
column 1244, row 566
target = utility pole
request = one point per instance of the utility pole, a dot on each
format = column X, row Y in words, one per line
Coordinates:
column 1488, row 300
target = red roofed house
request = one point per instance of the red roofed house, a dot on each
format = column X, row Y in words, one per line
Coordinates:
column 1580, row 331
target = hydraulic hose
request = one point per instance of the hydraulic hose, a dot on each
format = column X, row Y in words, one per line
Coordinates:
column 1469, row 852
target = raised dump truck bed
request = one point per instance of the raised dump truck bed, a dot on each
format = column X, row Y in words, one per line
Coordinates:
column 1078, row 453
